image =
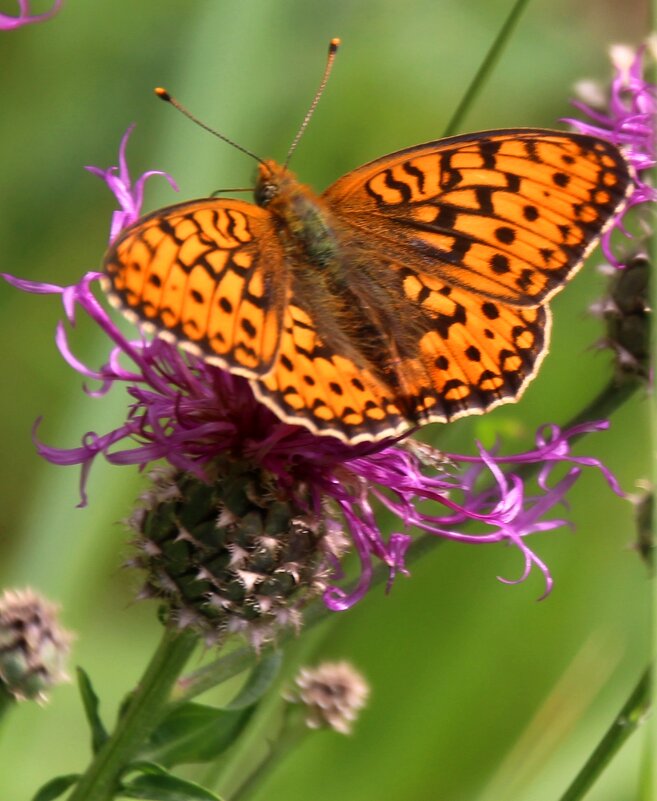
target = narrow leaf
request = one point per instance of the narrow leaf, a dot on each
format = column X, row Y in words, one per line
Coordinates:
column 166, row 788
column 91, row 704
column 144, row 766
column 260, row 680
column 56, row 787
column 198, row 733
column 194, row 733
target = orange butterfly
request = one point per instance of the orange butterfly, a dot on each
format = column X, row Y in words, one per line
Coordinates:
column 414, row 289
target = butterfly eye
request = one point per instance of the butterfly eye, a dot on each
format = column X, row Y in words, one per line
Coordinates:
column 265, row 192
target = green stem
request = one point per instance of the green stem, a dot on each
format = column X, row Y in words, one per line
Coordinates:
column 7, row 702
column 607, row 401
column 610, row 398
column 101, row 780
column 287, row 740
column 486, row 67
column 627, row 721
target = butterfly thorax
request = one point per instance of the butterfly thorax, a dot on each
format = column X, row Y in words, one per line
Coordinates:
column 304, row 222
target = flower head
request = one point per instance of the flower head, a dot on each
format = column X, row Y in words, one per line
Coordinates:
column 627, row 313
column 627, row 118
column 235, row 552
column 628, row 121
column 190, row 414
column 8, row 23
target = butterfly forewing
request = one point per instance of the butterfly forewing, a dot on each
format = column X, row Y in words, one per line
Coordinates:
column 210, row 274
column 507, row 214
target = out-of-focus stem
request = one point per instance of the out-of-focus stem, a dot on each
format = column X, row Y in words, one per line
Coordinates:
column 627, row 721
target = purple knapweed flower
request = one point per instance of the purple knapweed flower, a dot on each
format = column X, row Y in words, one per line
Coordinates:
column 192, row 415
column 627, row 119
column 8, row 23
column 130, row 197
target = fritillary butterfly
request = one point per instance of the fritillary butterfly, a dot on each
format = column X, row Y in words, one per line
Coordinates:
column 414, row 289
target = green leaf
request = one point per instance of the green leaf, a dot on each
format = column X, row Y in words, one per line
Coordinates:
column 55, row 787
column 159, row 787
column 198, row 733
column 261, row 679
column 194, row 733
column 91, row 704
column 143, row 766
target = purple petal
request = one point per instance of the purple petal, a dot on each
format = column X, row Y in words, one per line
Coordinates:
column 8, row 23
column 130, row 196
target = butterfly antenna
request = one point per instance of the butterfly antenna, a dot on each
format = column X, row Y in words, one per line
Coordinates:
column 164, row 95
column 231, row 190
column 333, row 49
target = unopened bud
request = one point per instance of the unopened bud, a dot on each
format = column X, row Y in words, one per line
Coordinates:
column 33, row 646
column 238, row 555
column 332, row 693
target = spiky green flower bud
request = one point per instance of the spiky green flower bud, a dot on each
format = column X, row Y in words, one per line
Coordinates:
column 239, row 554
column 626, row 310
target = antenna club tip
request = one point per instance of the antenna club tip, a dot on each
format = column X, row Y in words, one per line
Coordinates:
column 334, row 44
column 162, row 94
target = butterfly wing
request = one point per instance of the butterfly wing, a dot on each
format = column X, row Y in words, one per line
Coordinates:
column 438, row 373
column 325, row 384
column 468, row 353
column 471, row 236
column 209, row 274
column 508, row 214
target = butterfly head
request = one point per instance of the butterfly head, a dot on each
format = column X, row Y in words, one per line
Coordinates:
column 273, row 180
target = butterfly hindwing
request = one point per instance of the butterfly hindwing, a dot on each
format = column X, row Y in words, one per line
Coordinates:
column 467, row 354
column 475, row 353
column 327, row 388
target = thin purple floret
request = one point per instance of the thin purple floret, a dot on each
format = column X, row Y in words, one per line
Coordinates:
column 129, row 195
column 8, row 23
column 629, row 123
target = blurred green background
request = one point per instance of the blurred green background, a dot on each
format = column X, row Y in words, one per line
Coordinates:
column 479, row 693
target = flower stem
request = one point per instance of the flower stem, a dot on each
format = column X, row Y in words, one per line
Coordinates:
column 486, row 66
column 279, row 749
column 609, row 399
column 627, row 721
column 7, row 702
column 147, row 705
